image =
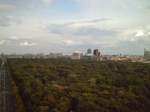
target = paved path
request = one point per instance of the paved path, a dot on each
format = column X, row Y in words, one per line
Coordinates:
column 6, row 104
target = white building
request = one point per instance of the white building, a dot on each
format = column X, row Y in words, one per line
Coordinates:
column 76, row 56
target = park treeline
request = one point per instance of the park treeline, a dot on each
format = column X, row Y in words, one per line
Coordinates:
column 63, row 85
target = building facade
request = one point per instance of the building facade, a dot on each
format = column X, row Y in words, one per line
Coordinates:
column 76, row 56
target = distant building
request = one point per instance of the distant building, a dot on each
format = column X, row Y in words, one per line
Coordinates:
column 147, row 55
column 85, row 57
column 13, row 56
column 54, row 55
column 28, row 56
column 76, row 56
column 131, row 58
column 35, row 56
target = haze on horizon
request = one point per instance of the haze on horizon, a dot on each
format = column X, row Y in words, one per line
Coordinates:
column 43, row 26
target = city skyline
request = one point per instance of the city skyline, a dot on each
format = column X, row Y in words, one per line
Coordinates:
column 43, row 26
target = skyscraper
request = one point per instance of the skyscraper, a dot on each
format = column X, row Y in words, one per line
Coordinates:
column 89, row 52
column 95, row 52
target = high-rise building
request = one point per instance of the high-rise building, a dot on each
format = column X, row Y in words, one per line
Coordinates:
column 95, row 52
column 96, row 55
column 89, row 52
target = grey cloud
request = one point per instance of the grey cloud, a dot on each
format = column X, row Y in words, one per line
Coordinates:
column 8, row 20
column 89, row 21
column 6, row 7
column 133, row 47
column 84, row 28
column 96, row 32
column 4, row 21
column 29, row 44
column 2, row 42
column 57, row 28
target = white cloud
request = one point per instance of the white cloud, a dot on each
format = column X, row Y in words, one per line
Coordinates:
column 139, row 34
column 2, row 42
column 47, row 1
column 133, row 39
column 13, row 38
column 68, row 42
column 27, row 43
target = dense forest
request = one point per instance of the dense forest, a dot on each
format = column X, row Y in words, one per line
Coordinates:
column 63, row 85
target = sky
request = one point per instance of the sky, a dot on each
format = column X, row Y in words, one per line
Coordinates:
column 44, row 26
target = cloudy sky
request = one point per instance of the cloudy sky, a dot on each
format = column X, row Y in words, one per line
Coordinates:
column 43, row 26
